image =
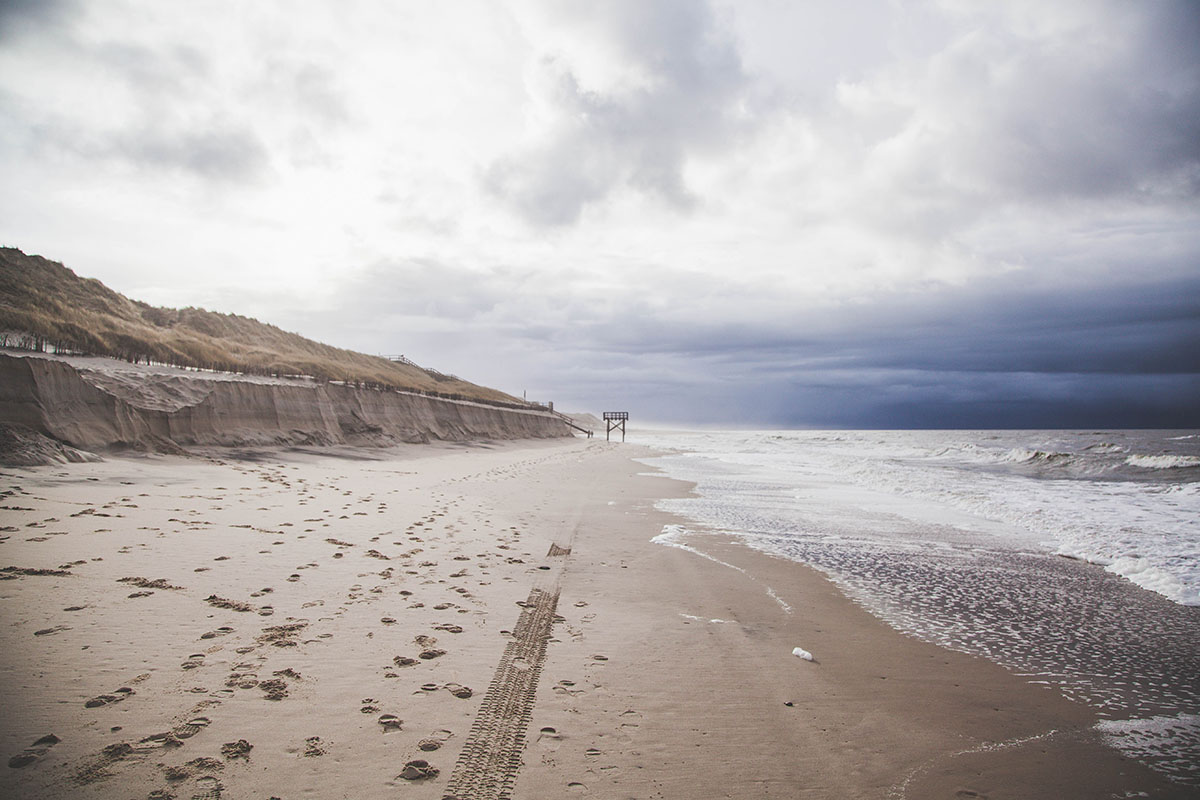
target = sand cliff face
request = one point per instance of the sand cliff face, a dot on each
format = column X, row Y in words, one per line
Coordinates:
column 108, row 404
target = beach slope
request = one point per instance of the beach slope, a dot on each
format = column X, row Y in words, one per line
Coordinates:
column 473, row 621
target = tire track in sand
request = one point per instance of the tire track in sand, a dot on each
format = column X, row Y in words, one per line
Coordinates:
column 491, row 756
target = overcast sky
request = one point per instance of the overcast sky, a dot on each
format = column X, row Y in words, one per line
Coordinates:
column 846, row 213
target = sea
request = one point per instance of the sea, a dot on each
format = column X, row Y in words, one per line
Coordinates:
column 1070, row 557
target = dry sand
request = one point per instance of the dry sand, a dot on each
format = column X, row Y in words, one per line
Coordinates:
column 481, row 621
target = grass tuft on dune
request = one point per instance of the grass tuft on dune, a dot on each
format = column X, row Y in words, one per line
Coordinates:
column 46, row 306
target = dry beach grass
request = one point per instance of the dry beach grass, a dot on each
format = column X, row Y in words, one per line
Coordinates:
column 44, row 303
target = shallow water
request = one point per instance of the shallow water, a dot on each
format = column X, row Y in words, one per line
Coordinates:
column 958, row 537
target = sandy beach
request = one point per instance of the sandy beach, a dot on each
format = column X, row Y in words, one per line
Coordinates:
column 472, row 620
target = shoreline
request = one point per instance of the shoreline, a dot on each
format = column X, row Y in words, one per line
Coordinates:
column 665, row 674
column 708, row 667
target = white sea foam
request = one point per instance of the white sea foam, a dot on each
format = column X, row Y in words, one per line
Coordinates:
column 1163, row 462
column 1154, row 578
column 787, row 609
column 949, row 536
column 1146, row 532
column 1161, row 741
column 672, row 536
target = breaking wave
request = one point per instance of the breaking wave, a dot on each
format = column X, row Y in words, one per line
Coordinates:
column 1163, row 462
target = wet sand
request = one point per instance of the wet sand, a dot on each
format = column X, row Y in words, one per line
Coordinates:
column 475, row 621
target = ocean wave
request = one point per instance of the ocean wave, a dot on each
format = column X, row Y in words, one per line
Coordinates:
column 1105, row 447
column 1019, row 455
column 1163, row 462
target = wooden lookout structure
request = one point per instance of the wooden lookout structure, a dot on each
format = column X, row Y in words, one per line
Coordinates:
column 614, row 420
column 570, row 423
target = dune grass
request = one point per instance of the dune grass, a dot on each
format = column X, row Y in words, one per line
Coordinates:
column 47, row 307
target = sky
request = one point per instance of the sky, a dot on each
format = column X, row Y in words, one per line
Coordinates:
column 853, row 213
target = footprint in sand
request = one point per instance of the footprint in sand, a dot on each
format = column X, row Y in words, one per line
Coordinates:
column 97, row 769
column 235, row 750
column 190, row 728
column 34, row 752
column 314, row 747
column 51, row 631
column 567, row 688
column 108, row 699
column 224, row 630
column 275, row 688
column 390, row 722
column 549, row 738
column 175, row 773
column 418, row 769
column 209, row 788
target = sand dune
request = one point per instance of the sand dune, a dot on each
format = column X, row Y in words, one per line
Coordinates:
column 101, row 403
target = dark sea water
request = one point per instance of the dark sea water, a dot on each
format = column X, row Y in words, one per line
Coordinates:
column 1072, row 557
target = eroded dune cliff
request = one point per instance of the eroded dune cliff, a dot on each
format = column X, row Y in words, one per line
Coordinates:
column 98, row 404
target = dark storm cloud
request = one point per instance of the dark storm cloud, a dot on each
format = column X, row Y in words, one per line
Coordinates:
column 996, row 326
column 630, row 137
column 998, row 356
column 19, row 17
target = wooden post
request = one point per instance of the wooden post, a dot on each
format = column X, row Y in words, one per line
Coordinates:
column 614, row 420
